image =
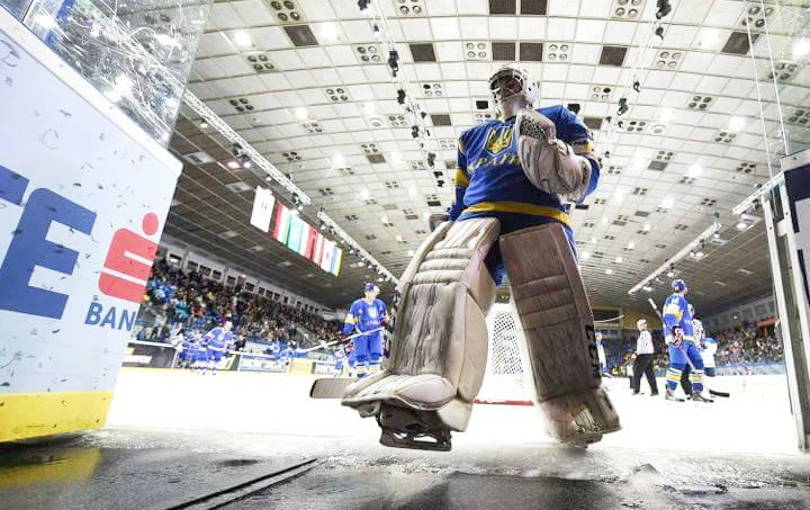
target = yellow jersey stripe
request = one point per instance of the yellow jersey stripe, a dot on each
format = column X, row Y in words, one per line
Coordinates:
column 461, row 178
column 520, row 208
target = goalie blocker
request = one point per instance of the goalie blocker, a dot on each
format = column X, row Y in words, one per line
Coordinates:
column 439, row 349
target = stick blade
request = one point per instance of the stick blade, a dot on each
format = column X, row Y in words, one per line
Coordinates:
column 330, row 387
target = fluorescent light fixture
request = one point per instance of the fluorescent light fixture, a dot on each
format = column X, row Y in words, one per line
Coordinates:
column 301, row 113
column 399, row 239
column 594, row 240
column 329, row 31
column 232, row 164
column 585, row 255
column 667, row 203
column 384, row 219
column 742, row 225
column 801, row 48
column 631, row 245
column 647, row 288
column 666, row 115
column 647, row 227
column 242, row 38
column 694, row 171
column 618, row 196
column 619, row 260
column 736, row 123
column 670, row 274
column 364, row 194
column 608, row 271
column 604, row 220
column 339, row 161
column 411, row 253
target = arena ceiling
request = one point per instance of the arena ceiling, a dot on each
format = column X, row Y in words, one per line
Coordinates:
column 302, row 85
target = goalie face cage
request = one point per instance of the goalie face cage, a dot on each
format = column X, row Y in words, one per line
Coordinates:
column 507, row 379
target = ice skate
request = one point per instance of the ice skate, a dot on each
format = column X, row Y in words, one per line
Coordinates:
column 670, row 395
column 407, row 428
column 697, row 397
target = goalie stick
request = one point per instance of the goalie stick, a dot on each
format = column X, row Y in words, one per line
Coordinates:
column 661, row 317
column 334, row 342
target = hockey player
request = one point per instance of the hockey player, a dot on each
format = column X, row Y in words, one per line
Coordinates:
column 339, row 355
column 708, row 347
column 686, row 375
column 683, row 351
column 218, row 340
column 516, row 179
column 600, row 352
column 366, row 314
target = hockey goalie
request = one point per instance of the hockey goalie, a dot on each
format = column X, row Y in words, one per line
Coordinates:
column 516, row 179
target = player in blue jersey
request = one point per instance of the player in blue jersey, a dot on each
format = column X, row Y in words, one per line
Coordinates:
column 218, row 340
column 491, row 181
column 680, row 339
column 366, row 314
column 517, row 178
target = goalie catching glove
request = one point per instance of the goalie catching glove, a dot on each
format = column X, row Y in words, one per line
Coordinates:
column 549, row 163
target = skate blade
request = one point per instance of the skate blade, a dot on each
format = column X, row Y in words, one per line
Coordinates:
column 393, row 441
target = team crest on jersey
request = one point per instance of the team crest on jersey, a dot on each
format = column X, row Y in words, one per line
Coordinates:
column 499, row 139
column 372, row 312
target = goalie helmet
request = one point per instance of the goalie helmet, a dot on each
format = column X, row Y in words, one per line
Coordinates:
column 511, row 81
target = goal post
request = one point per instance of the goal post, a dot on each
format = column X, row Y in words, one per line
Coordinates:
column 507, row 380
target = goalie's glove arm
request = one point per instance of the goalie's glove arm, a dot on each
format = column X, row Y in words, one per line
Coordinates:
column 556, row 153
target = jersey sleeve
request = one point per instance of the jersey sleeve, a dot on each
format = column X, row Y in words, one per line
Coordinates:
column 383, row 310
column 673, row 313
column 571, row 130
column 350, row 322
column 460, row 181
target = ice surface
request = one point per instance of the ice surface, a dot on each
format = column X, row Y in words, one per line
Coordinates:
column 669, row 455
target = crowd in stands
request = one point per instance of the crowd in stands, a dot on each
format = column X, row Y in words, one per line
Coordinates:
column 186, row 300
column 748, row 344
column 745, row 344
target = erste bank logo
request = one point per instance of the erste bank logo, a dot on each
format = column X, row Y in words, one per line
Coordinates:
column 123, row 276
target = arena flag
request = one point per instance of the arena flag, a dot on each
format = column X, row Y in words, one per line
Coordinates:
column 262, row 213
column 317, row 252
column 338, row 258
column 294, row 236
column 328, row 255
column 307, row 236
column 282, row 223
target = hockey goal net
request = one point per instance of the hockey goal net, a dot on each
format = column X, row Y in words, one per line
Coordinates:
column 506, row 380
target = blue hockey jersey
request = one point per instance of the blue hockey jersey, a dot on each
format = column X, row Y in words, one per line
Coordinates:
column 676, row 313
column 490, row 180
column 364, row 316
column 218, row 339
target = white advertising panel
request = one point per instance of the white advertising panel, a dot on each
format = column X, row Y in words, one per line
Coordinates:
column 84, row 195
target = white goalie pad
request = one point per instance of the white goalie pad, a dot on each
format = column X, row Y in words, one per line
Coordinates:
column 550, row 164
column 557, row 324
column 439, row 347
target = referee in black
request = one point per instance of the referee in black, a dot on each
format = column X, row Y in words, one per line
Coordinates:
column 643, row 359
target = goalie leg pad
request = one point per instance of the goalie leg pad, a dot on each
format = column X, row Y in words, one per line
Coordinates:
column 439, row 348
column 557, row 324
